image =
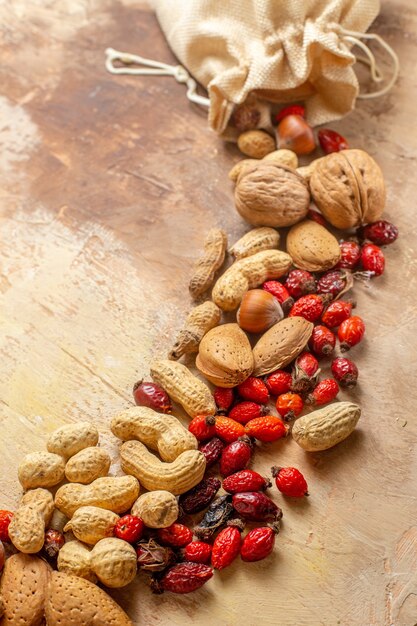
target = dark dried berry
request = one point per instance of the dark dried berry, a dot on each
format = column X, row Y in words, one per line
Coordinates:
column 212, row 450
column 245, row 480
column 182, row 578
column 153, row 557
column 246, row 117
column 381, row 233
column 54, row 540
column 152, row 396
column 236, row 456
column 219, row 511
column 255, row 506
column 200, row 496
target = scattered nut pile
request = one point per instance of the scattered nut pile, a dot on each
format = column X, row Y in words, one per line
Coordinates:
column 289, row 311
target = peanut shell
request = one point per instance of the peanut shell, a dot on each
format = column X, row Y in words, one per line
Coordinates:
column 158, row 509
column 71, row 438
column 41, row 469
column 312, row 247
column 75, row 558
column 27, row 528
column 281, row 344
column 206, row 267
column 256, row 143
column 114, row 562
column 326, row 427
column 89, row 524
column 282, row 157
column 199, row 321
column 256, row 240
column 87, row 465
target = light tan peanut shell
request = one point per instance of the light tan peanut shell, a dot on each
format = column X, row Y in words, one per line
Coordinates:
column 177, row 477
column 256, row 143
column 225, row 357
column 23, row 589
column 183, row 387
column 281, row 344
column 256, row 240
column 27, row 528
column 238, row 168
column 163, row 433
column 87, row 465
column 282, row 157
column 71, row 438
column 348, row 187
column 199, row 321
column 66, row 604
column 247, row 274
column 75, row 558
column 326, row 427
column 268, row 194
column 114, row 562
column 41, row 469
column 312, row 247
column 114, row 493
column 90, row 524
column 157, row 509
column 206, row 267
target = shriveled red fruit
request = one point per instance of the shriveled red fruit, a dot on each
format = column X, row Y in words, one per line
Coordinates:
column 198, row 552
column 336, row 313
column 183, row 578
column 5, row 519
column 310, row 307
column 381, row 233
column 227, row 429
column 300, row 283
column 226, row 546
column 345, row 371
column 200, row 496
column 245, row 480
column 255, row 506
column 2, row 556
column 316, row 217
column 372, row 259
column 212, row 450
column 289, row 405
column 335, row 283
column 305, row 372
column 266, row 429
column 54, row 540
column 351, row 332
column 152, row 396
column 280, row 292
column 246, row 410
column 202, row 427
column 177, row 535
column 254, row 389
column 322, row 341
column 130, row 528
column 326, row 391
column 331, row 141
column 223, row 398
column 290, row 481
column 236, row 456
column 350, row 255
column 278, row 382
column 292, row 109
column 258, row 543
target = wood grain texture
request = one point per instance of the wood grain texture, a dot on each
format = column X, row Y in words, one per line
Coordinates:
column 108, row 187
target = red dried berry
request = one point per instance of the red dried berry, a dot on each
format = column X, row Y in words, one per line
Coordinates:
column 280, row 292
column 198, row 552
column 223, row 398
column 290, row 481
column 345, row 371
column 245, row 411
column 322, row 341
column 54, row 540
column 212, row 450
column 226, row 546
column 202, row 427
column 200, row 496
column 255, row 506
column 373, row 259
column 335, row 282
column 183, row 578
column 289, row 405
column 382, row 233
column 254, row 389
column 227, row 429
column 177, row 535
column 245, row 480
column 300, row 283
column 326, row 391
column 258, row 544
column 236, row 456
column 350, row 255
column 336, row 313
column 130, row 528
column 292, row 109
column 266, row 429
column 152, row 396
column 317, row 217
column 309, row 307
column 278, row 382
column 5, row 519
column 331, row 141
column 351, row 332
column 305, row 372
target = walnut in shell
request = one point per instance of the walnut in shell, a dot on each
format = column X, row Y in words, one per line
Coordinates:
column 348, row 188
column 269, row 194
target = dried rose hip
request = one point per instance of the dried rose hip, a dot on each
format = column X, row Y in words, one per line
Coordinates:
column 326, row 391
column 198, row 552
column 54, row 540
column 280, row 292
column 290, row 481
column 202, row 427
column 176, row 536
column 322, row 341
column 255, row 506
column 289, row 405
column 236, row 456
column 309, row 307
column 5, row 519
column 182, row 578
column 335, row 283
column 381, row 233
column 153, row 396
column 279, row 382
column 305, row 372
column 300, row 283
column 351, row 332
column 153, row 557
column 216, row 516
column 254, row 389
column 245, row 117
column 259, row 543
column 336, row 313
column 331, row 141
column 227, row 429
column 246, row 410
column 226, row 546
column 130, row 528
column 212, row 450
column 317, row 217
column 223, row 398
column 245, row 480
column 345, row 371
column 373, row 259
column 350, row 255
column 200, row 496
column 292, row 109
column 266, row 429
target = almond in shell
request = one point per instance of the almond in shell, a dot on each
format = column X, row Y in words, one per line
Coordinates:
column 312, row 247
column 281, row 344
column 326, row 427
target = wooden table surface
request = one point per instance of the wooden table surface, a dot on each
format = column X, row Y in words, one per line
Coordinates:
column 108, row 186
